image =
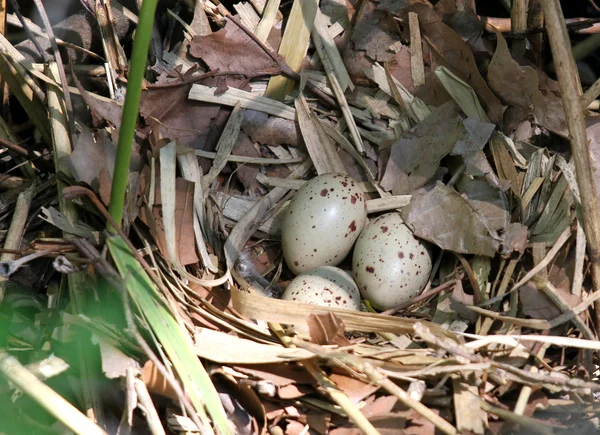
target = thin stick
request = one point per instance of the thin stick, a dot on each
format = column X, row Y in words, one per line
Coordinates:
column 46, row 397
column 58, row 58
column 570, row 90
column 28, row 31
column 590, row 95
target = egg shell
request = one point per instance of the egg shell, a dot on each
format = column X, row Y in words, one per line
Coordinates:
column 326, row 286
column 390, row 265
column 322, row 222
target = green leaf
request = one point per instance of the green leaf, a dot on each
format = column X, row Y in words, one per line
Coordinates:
column 175, row 341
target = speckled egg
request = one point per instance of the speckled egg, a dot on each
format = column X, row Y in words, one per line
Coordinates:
column 322, row 222
column 390, row 265
column 326, row 286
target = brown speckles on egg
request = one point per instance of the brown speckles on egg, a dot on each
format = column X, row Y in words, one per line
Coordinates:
column 397, row 280
column 352, row 226
column 321, row 220
column 353, row 199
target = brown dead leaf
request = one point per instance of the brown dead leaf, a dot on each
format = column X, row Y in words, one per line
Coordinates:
column 516, row 237
column 374, row 32
column 192, row 123
column 280, row 374
column 449, row 220
column 293, row 391
column 231, row 49
column 246, row 173
column 433, row 93
column 356, row 390
column 460, row 15
column 518, row 86
column 539, row 306
column 416, row 156
column 270, row 130
column 89, row 157
column 156, row 382
column 102, row 109
column 490, row 202
column 184, row 216
column 327, row 329
column 450, row 50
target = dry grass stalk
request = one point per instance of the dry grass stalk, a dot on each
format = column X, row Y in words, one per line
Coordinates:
column 247, row 100
column 417, row 67
column 268, row 20
column 294, row 45
column 14, row 236
column 571, row 96
column 321, row 150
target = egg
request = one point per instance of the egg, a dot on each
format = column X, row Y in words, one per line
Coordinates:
column 322, row 222
column 326, row 286
column 389, row 264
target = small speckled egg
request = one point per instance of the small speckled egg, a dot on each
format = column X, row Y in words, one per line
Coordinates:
column 322, row 222
column 390, row 265
column 326, row 286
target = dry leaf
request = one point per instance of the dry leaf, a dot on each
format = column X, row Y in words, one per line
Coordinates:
column 231, row 49
column 270, row 130
column 184, row 216
column 449, row 220
column 518, row 86
column 416, row 156
column 450, row 50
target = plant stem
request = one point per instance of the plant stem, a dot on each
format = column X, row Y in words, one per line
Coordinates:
column 131, row 108
column 570, row 89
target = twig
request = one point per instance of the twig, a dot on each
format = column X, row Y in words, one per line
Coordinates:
column 590, row 95
column 576, row 25
column 346, row 360
column 46, row 397
column 251, row 160
column 524, row 422
column 562, row 239
column 518, row 23
column 434, row 291
column 570, row 90
column 28, row 31
column 61, row 70
column 15, row 232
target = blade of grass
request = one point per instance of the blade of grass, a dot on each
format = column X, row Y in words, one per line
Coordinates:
column 139, row 56
column 177, row 345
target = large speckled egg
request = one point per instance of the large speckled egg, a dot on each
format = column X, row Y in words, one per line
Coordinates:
column 326, row 286
column 390, row 265
column 322, row 222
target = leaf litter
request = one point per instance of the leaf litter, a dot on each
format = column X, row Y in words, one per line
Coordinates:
column 470, row 149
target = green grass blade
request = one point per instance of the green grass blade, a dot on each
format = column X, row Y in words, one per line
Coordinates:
column 175, row 342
